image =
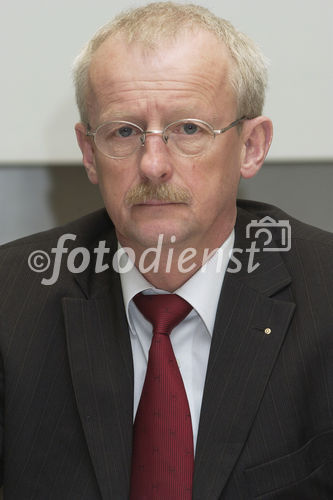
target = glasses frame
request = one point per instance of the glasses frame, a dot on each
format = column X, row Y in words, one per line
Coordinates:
column 165, row 137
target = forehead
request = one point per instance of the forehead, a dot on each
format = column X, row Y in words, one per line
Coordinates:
column 194, row 66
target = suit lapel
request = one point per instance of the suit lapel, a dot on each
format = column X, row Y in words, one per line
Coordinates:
column 102, row 374
column 241, row 359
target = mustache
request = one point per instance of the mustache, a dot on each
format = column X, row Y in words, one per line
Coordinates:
column 163, row 192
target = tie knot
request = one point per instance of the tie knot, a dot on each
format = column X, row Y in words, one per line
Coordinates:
column 164, row 312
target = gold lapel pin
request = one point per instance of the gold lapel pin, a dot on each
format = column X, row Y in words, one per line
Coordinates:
column 268, row 331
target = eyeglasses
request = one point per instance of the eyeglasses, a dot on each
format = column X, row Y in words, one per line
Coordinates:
column 189, row 137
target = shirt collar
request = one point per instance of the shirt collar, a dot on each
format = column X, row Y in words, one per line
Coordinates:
column 202, row 290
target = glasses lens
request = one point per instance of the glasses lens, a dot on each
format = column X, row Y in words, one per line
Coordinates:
column 118, row 139
column 189, row 137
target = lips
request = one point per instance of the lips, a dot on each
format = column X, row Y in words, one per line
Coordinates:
column 157, row 202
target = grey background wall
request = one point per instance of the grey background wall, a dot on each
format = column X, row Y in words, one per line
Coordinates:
column 33, row 199
column 39, row 40
column 41, row 182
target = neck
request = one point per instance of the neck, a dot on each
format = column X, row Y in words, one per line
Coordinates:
column 171, row 269
column 169, row 266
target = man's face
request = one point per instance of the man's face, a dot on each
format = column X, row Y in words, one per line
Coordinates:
column 185, row 79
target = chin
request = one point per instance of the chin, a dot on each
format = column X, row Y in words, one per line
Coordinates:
column 162, row 236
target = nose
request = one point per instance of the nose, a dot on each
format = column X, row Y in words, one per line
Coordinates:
column 155, row 162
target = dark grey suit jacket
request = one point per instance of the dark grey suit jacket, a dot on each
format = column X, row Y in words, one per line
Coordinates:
column 266, row 426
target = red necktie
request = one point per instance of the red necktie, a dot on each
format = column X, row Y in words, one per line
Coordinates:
column 163, row 457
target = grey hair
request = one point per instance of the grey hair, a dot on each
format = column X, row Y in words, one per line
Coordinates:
column 162, row 21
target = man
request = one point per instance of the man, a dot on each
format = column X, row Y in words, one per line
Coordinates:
column 171, row 102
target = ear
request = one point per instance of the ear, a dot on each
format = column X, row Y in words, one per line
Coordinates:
column 257, row 136
column 88, row 155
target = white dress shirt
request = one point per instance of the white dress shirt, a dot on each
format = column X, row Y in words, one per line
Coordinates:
column 190, row 339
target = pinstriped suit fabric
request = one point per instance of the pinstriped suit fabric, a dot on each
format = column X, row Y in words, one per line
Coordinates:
column 66, row 381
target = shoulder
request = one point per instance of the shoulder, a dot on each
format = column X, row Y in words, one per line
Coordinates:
column 299, row 231
column 86, row 228
column 307, row 254
column 22, row 261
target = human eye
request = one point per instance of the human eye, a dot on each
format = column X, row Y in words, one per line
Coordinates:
column 186, row 129
column 189, row 128
column 125, row 131
column 118, row 131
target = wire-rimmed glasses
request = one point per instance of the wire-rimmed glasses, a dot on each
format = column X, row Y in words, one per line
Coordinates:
column 188, row 137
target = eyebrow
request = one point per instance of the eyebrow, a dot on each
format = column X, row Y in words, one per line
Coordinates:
column 117, row 115
column 170, row 116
